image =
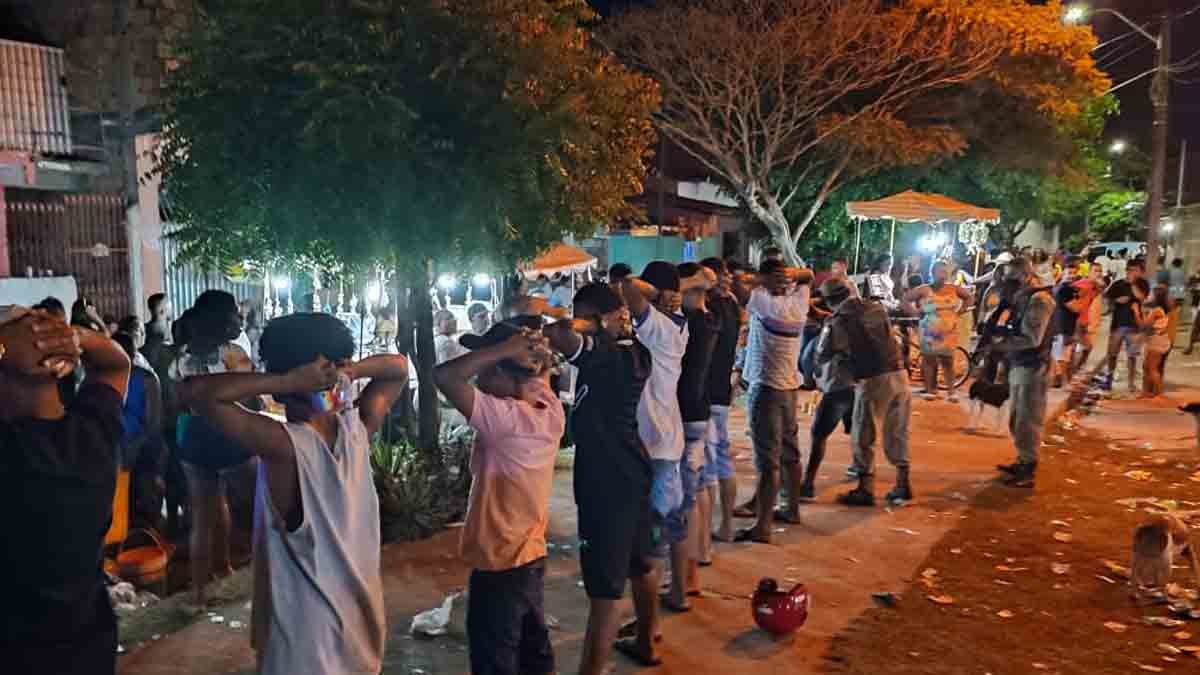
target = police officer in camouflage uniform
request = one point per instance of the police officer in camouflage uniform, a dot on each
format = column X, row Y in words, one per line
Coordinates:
column 1026, row 339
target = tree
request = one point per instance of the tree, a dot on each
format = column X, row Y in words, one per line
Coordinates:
column 785, row 99
column 397, row 133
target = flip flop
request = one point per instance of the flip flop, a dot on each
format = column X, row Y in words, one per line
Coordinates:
column 750, row 536
column 629, row 630
column 628, row 647
column 668, row 604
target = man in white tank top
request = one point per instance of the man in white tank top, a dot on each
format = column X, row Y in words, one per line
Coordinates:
column 318, row 594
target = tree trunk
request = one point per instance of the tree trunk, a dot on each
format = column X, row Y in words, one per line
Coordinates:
column 429, row 418
column 402, row 425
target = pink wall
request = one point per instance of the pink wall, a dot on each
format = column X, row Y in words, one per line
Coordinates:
column 4, row 262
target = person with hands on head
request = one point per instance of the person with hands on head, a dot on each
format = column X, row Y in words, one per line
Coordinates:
column 318, row 594
column 613, row 473
column 654, row 301
column 60, row 469
column 778, row 311
column 718, row 463
column 518, row 422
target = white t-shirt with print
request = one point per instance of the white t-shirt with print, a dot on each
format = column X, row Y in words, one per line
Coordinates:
column 660, row 424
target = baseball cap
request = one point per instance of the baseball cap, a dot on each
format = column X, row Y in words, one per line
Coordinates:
column 662, row 275
column 500, row 332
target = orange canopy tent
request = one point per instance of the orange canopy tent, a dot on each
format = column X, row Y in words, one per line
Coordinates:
column 917, row 207
column 561, row 258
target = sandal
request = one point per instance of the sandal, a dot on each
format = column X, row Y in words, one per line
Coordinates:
column 667, row 603
column 628, row 647
column 744, row 512
column 749, row 535
column 629, row 630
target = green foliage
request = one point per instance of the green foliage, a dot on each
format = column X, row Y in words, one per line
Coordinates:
column 393, row 131
column 417, row 494
column 1117, row 216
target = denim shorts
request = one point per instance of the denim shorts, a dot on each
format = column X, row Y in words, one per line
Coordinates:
column 1129, row 338
column 718, row 461
column 688, row 469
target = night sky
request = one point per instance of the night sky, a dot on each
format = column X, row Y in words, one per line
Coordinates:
column 1126, row 58
column 1131, row 56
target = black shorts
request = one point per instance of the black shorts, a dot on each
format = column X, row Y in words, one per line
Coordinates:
column 616, row 541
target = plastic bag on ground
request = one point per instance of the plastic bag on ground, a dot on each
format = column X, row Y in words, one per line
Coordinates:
column 433, row 622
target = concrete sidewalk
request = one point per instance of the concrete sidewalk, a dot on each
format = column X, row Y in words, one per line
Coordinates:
column 843, row 555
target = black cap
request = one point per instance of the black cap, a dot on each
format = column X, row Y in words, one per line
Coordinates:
column 598, row 296
column 500, row 332
column 662, row 275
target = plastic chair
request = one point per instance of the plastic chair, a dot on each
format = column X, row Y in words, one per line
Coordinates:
column 140, row 565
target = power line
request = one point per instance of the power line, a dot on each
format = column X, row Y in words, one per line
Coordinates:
column 1106, row 64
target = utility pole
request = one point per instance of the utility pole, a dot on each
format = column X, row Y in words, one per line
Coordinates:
column 1160, row 96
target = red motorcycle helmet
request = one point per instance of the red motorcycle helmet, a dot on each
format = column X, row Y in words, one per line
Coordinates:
column 779, row 612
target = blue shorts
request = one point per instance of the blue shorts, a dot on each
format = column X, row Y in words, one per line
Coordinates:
column 688, row 469
column 1127, row 337
column 718, row 461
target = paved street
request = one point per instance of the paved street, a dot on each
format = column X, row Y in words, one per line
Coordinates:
column 842, row 555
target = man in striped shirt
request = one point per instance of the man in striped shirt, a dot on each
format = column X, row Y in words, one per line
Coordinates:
column 778, row 310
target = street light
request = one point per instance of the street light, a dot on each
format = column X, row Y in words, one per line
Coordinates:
column 1118, row 147
column 1081, row 12
column 1160, row 97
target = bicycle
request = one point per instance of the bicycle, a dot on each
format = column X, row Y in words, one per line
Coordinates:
column 964, row 362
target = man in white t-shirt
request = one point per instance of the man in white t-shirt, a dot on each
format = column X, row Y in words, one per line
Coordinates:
column 778, row 310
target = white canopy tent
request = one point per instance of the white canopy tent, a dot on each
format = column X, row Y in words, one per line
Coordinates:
column 917, row 207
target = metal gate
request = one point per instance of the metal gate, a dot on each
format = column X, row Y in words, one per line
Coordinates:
column 79, row 235
column 183, row 283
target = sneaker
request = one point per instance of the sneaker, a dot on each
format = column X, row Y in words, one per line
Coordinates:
column 1023, row 478
column 1008, row 468
column 952, row 398
column 857, row 497
column 852, row 471
column 899, row 494
column 807, row 492
column 929, row 397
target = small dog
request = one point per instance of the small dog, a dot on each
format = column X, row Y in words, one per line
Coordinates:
column 1157, row 543
column 987, row 395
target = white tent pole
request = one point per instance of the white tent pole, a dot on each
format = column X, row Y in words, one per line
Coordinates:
column 857, row 242
column 892, row 243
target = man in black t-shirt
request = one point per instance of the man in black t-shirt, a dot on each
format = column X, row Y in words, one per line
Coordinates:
column 613, row 473
column 59, row 469
column 1126, row 296
column 718, row 461
column 694, row 406
column 1066, row 319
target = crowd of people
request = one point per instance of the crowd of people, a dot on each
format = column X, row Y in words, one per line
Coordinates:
column 660, row 359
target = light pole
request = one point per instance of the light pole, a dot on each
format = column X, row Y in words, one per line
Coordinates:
column 1160, row 96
